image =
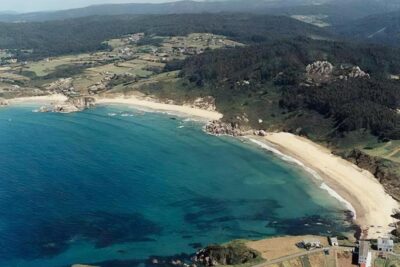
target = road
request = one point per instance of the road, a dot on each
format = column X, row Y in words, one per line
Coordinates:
column 305, row 253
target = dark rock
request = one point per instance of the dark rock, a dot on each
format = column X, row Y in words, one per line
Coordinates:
column 225, row 255
column 222, row 128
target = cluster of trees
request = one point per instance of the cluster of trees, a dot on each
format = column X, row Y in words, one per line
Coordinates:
column 279, row 67
column 88, row 34
column 382, row 28
column 353, row 104
column 288, row 58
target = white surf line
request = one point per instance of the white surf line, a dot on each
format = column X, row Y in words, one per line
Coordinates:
column 323, row 186
column 335, row 194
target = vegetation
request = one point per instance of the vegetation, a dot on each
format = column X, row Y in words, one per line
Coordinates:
column 247, row 74
column 88, row 34
column 262, row 84
column 380, row 28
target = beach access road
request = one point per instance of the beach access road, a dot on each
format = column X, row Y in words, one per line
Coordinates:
column 301, row 254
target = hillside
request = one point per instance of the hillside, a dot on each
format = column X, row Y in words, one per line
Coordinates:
column 382, row 28
column 341, row 12
column 336, row 11
column 44, row 39
column 281, row 68
column 178, row 7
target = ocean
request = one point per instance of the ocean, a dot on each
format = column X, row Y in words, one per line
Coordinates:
column 115, row 186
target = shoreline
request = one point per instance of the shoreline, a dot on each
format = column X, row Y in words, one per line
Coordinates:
column 313, row 173
column 187, row 111
column 356, row 188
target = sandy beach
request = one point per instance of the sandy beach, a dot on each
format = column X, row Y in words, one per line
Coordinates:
column 135, row 101
column 47, row 99
column 352, row 185
column 170, row 108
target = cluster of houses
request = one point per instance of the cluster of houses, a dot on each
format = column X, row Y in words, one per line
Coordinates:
column 134, row 38
column 383, row 247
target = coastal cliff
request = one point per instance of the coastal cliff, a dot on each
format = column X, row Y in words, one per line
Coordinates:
column 382, row 169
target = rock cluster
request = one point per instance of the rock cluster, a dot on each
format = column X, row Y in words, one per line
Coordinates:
column 356, row 72
column 260, row 133
column 83, row 102
column 3, row 102
column 323, row 71
column 224, row 255
column 319, row 71
column 222, row 128
column 73, row 104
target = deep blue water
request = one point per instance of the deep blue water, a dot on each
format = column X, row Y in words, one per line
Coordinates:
column 93, row 188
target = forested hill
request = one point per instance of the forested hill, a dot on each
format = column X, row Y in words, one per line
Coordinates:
column 337, row 11
column 382, row 28
column 178, row 7
column 270, row 82
column 88, row 34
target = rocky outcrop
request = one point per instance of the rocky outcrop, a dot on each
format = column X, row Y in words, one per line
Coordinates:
column 319, row 71
column 82, row 102
column 222, row 128
column 73, row 104
column 260, row 133
column 382, row 169
column 3, row 102
column 82, row 265
column 356, row 72
column 320, row 68
column 324, row 71
column 224, row 255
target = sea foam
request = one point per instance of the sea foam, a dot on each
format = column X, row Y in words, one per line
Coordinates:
column 323, row 186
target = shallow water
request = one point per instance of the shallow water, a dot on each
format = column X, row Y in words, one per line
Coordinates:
column 116, row 186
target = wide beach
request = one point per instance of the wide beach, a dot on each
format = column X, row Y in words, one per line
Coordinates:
column 355, row 186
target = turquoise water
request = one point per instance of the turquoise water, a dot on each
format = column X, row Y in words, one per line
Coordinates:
column 114, row 186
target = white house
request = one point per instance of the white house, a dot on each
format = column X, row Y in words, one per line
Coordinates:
column 364, row 254
column 385, row 244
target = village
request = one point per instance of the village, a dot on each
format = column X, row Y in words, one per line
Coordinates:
column 130, row 62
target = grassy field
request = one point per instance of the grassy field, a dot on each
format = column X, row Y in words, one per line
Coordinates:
column 389, row 150
column 314, row 260
column 44, row 67
column 390, row 262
